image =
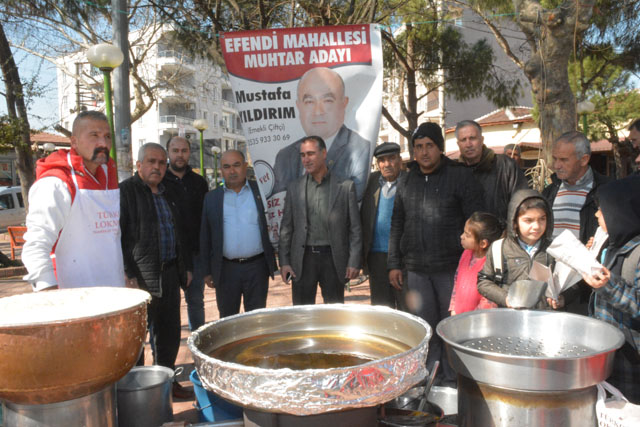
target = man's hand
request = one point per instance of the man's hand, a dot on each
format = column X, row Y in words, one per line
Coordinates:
column 287, row 273
column 352, row 273
column 556, row 304
column 598, row 280
column 395, row 278
column 189, row 278
column 131, row 283
column 208, row 280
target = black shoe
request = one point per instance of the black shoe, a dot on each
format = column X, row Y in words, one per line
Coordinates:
column 182, row 393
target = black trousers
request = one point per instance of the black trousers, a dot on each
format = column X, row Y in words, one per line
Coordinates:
column 428, row 296
column 382, row 293
column 317, row 267
column 248, row 281
column 163, row 319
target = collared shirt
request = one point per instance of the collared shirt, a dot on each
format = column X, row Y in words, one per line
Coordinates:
column 166, row 229
column 241, row 229
column 384, row 212
column 530, row 249
column 568, row 203
column 388, row 188
column 318, row 211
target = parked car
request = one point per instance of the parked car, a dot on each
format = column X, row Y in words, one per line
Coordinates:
column 12, row 210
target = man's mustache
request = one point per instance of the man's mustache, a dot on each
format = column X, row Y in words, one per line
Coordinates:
column 103, row 150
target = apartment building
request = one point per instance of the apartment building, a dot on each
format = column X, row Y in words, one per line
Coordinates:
column 440, row 107
column 184, row 88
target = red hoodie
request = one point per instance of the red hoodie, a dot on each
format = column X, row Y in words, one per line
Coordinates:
column 57, row 165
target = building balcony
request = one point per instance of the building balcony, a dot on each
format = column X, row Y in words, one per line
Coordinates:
column 232, row 133
column 228, row 106
column 225, row 82
column 175, row 122
column 168, row 93
column 174, row 60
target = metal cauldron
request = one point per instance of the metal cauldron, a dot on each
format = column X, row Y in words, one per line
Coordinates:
column 528, row 368
column 64, row 344
column 396, row 341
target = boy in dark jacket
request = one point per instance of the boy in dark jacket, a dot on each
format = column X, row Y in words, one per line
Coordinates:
column 616, row 295
column 529, row 229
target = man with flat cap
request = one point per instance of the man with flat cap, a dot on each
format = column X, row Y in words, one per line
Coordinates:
column 375, row 212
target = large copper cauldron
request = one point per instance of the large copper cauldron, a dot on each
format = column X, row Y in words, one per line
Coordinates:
column 390, row 347
column 65, row 344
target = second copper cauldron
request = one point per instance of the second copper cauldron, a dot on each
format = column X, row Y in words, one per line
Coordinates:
column 64, row 344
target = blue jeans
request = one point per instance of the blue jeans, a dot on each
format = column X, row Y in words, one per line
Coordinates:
column 194, row 295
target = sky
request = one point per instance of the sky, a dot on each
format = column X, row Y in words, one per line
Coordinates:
column 43, row 110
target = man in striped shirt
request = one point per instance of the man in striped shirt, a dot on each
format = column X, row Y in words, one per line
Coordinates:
column 571, row 194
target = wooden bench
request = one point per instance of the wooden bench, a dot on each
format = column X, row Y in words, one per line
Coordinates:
column 16, row 237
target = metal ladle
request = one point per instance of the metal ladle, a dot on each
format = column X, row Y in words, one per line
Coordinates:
column 427, row 387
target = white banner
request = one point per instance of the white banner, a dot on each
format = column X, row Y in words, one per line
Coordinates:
column 297, row 82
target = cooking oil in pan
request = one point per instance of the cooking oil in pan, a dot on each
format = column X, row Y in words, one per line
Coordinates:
column 308, row 350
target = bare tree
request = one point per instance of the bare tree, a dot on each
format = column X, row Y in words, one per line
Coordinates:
column 17, row 112
column 61, row 32
column 552, row 35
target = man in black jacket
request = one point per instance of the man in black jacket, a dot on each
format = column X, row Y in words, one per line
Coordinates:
column 499, row 175
column 156, row 256
column 192, row 189
column 429, row 213
column 572, row 195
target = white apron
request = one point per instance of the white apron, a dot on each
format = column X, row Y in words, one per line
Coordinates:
column 89, row 252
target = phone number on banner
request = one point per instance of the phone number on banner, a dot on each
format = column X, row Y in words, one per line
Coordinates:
column 268, row 138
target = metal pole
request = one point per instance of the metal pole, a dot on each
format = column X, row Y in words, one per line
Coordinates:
column 202, row 171
column 106, row 72
column 215, row 170
column 585, row 129
column 121, row 96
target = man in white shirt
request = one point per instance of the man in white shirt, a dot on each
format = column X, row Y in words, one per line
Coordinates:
column 73, row 230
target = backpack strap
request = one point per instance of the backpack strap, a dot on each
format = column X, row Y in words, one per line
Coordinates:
column 630, row 263
column 496, row 256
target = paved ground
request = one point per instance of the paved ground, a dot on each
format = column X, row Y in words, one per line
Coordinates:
column 279, row 296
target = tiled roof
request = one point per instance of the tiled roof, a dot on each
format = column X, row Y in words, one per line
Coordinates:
column 506, row 115
column 43, row 137
column 502, row 116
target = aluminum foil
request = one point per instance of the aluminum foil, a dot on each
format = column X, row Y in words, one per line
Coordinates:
column 314, row 391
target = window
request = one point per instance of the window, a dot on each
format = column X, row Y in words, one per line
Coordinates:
column 6, row 201
column 20, row 201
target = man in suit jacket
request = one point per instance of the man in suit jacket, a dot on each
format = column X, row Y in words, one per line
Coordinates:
column 376, row 210
column 320, row 233
column 322, row 103
column 234, row 241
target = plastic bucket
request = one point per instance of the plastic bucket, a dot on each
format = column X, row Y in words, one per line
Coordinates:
column 144, row 397
column 212, row 407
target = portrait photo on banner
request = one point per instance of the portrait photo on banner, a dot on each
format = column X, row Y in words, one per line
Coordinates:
column 297, row 82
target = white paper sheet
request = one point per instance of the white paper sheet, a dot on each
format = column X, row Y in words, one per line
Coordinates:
column 544, row 274
column 573, row 259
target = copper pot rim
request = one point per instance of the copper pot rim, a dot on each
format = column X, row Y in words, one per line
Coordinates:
column 5, row 327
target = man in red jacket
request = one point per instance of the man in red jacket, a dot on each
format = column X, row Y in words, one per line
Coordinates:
column 73, row 229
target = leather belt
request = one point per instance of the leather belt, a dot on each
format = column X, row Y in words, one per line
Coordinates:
column 244, row 260
column 165, row 265
column 324, row 249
